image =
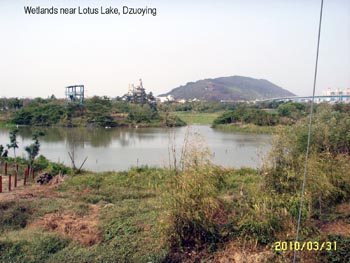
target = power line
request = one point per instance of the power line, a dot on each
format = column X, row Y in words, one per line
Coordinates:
column 309, row 133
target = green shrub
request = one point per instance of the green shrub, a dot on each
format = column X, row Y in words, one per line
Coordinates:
column 39, row 249
column 13, row 215
column 340, row 254
column 44, row 164
column 174, row 121
column 40, row 115
column 191, row 201
column 329, row 159
column 246, row 116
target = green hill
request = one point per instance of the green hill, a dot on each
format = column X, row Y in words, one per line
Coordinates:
column 229, row 88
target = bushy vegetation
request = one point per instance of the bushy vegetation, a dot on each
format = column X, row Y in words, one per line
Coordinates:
column 282, row 113
column 191, row 201
column 10, row 104
column 245, row 116
column 13, row 215
column 329, row 157
column 42, row 115
column 43, row 164
column 334, row 256
column 143, row 113
column 96, row 112
column 268, row 211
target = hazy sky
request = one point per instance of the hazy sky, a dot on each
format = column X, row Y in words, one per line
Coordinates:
column 186, row 41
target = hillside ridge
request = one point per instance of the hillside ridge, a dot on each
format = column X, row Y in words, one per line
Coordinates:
column 229, row 88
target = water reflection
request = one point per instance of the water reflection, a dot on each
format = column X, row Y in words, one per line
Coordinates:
column 120, row 148
column 95, row 137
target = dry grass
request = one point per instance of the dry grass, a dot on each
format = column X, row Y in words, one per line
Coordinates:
column 235, row 252
column 26, row 192
column 340, row 227
column 81, row 228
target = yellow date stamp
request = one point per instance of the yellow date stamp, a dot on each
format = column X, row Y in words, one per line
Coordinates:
column 305, row 246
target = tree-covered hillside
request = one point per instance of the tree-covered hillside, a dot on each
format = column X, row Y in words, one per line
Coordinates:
column 229, row 88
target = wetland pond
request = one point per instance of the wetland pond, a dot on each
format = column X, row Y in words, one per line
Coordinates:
column 121, row 148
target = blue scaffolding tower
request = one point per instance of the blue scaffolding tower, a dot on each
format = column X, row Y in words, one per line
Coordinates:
column 75, row 93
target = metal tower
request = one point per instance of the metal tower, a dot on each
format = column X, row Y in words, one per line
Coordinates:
column 75, row 93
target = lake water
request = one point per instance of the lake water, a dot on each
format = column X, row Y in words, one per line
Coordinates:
column 122, row 148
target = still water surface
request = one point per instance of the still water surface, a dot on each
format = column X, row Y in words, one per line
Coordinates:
column 122, row 148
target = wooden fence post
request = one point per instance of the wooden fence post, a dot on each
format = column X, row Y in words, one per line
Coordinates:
column 9, row 182
column 25, row 177
column 33, row 173
column 16, row 175
column 16, row 178
column 0, row 184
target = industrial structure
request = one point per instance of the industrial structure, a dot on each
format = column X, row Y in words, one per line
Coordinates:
column 138, row 95
column 75, row 94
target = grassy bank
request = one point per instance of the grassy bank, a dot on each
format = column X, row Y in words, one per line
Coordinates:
column 120, row 217
column 110, row 217
column 191, row 117
column 247, row 128
column 107, row 217
column 5, row 124
column 5, row 120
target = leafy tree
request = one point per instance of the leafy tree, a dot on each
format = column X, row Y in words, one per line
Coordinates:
column 99, row 111
column 143, row 113
column 14, row 103
column 34, row 148
column 292, row 110
column 121, row 106
column 13, row 141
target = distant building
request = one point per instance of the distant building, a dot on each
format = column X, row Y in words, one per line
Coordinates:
column 335, row 92
column 169, row 98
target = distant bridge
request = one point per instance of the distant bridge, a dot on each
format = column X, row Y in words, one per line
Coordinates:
column 323, row 98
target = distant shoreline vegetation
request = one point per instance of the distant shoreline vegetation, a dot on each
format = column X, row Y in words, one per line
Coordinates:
column 96, row 112
column 104, row 112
